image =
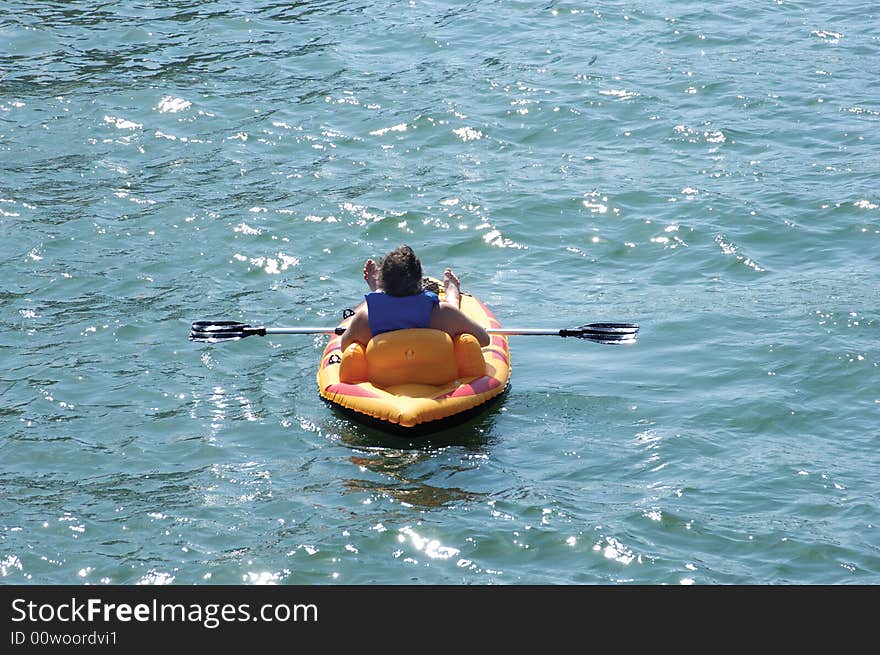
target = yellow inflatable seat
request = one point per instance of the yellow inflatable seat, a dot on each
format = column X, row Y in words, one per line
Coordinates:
column 469, row 356
column 353, row 365
column 412, row 356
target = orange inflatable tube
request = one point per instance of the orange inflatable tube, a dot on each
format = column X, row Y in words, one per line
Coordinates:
column 417, row 380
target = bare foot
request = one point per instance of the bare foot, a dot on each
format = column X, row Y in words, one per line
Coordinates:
column 452, row 287
column 371, row 275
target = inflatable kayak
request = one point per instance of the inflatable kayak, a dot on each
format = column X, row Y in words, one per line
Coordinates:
column 417, row 380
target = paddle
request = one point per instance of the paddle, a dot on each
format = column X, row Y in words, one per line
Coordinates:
column 214, row 331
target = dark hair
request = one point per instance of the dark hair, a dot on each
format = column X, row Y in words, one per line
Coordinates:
column 400, row 273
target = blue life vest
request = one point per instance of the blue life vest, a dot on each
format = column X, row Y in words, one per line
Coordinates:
column 387, row 313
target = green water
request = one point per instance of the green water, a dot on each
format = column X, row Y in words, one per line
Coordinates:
column 708, row 173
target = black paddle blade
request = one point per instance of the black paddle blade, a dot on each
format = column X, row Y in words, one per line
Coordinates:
column 612, row 333
column 214, row 331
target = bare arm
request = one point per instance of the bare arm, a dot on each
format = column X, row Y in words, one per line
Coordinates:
column 358, row 330
column 454, row 322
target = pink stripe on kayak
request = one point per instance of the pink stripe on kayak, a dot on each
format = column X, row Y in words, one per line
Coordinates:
column 498, row 342
column 486, row 310
column 353, row 390
column 500, row 355
column 475, row 388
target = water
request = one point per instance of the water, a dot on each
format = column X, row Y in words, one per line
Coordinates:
column 707, row 172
